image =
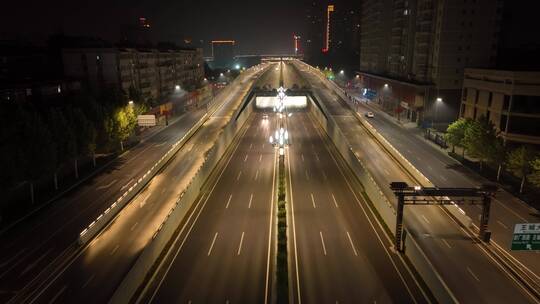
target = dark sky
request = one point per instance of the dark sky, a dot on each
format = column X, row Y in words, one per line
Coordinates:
column 257, row 26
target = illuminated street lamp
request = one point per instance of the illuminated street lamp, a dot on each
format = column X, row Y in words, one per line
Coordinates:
column 438, row 101
column 177, row 87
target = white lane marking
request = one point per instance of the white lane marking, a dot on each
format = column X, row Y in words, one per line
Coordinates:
column 256, row 174
column 298, row 293
column 317, row 156
column 250, row 146
column 263, row 146
column 271, row 214
column 245, row 158
column 335, row 202
column 126, row 185
column 35, row 262
column 322, row 242
column 228, row 202
column 240, row 245
column 260, row 157
column 250, row 199
column 473, row 275
column 352, row 244
column 212, row 245
column 57, row 295
column 386, row 172
column 502, row 224
column 12, row 258
column 444, row 178
column 303, row 157
column 107, row 186
column 425, row 218
column 430, row 168
column 324, row 175
column 313, row 200
column 307, row 175
column 239, row 174
column 88, row 281
column 114, row 250
column 446, row 243
column 133, row 227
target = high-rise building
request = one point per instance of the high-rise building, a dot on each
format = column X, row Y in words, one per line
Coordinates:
column 419, row 49
column 223, row 53
column 154, row 73
column 138, row 33
column 331, row 37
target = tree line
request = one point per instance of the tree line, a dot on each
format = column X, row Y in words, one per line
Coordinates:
column 479, row 139
column 39, row 137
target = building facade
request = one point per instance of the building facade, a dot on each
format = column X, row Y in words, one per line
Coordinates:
column 223, row 53
column 154, row 73
column 428, row 43
column 509, row 99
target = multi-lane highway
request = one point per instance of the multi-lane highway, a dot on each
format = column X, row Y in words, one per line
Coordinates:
column 36, row 242
column 340, row 252
column 224, row 252
column 443, row 171
column 94, row 271
column 464, row 265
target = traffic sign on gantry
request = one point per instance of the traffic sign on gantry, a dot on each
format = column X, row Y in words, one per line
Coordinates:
column 526, row 237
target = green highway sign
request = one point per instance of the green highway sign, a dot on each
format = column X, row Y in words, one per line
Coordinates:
column 526, row 237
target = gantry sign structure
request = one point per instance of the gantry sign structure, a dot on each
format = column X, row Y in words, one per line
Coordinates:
column 408, row 195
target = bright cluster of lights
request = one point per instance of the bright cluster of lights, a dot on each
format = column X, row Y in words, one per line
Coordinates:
column 281, row 97
column 281, row 136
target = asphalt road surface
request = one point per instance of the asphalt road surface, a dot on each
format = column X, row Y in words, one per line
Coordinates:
column 93, row 273
column 463, row 264
column 443, row 171
column 226, row 254
column 342, row 253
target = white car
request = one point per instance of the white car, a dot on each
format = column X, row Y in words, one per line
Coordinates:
column 370, row 115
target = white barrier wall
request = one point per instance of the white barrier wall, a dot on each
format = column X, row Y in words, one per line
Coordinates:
column 142, row 267
column 291, row 102
column 385, row 209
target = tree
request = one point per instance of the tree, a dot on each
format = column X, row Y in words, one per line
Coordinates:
column 499, row 155
column 123, row 123
column 36, row 149
column 534, row 178
column 455, row 133
column 63, row 138
column 480, row 138
column 520, row 163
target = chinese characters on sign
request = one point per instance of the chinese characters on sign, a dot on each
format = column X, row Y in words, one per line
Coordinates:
column 526, row 237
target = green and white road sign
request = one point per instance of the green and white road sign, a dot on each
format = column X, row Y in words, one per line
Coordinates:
column 526, row 237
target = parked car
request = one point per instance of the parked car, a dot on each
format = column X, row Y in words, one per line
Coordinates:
column 370, row 115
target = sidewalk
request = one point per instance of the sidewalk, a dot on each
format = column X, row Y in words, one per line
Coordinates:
column 411, row 127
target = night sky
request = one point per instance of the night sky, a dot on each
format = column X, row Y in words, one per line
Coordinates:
column 257, row 26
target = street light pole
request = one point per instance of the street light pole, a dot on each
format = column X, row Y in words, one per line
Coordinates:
column 433, row 118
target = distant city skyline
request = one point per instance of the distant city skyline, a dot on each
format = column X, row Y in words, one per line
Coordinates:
column 242, row 21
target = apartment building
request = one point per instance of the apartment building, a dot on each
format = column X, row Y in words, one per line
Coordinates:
column 427, row 43
column 509, row 99
column 154, row 73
